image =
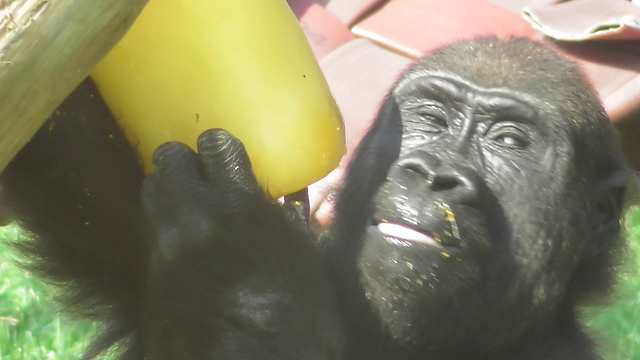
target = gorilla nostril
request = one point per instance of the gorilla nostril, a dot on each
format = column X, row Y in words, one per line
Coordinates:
column 418, row 168
column 438, row 182
column 420, row 162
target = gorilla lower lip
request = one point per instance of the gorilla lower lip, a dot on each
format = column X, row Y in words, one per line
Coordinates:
column 405, row 233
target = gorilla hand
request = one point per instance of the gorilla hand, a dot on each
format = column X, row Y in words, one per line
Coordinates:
column 229, row 262
column 195, row 197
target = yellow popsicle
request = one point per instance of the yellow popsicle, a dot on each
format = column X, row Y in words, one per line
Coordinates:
column 243, row 65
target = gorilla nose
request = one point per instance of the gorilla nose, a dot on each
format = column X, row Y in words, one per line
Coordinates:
column 458, row 183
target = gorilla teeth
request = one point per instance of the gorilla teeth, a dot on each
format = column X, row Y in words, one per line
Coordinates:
column 405, row 233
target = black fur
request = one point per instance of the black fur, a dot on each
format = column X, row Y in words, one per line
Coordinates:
column 497, row 153
column 76, row 187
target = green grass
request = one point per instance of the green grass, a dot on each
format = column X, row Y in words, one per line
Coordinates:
column 619, row 324
column 32, row 329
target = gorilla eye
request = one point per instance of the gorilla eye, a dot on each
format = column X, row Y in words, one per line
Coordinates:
column 511, row 141
column 432, row 123
column 426, row 116
column 509, row 137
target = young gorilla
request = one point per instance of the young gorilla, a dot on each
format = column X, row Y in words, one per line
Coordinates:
column 481, row 208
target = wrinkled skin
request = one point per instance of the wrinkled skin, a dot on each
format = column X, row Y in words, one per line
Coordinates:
column 481, row 208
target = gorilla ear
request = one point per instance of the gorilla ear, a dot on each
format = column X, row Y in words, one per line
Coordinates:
column 607, row 211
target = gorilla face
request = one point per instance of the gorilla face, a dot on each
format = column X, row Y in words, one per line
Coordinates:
column 461, row 233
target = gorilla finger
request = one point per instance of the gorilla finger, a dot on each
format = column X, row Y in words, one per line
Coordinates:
column 226, row 164
column 179, row 171
column 174, row 159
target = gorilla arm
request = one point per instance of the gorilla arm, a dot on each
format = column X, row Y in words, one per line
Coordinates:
column 76, row 187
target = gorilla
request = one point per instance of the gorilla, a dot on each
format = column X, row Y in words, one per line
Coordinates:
column 481, row 210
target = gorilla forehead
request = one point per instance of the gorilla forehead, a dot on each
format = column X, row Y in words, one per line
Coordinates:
column 456, row 92
column 520, row 64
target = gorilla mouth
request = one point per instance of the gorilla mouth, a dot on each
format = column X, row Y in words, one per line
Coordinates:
column 406, row 233
column 431, row 223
